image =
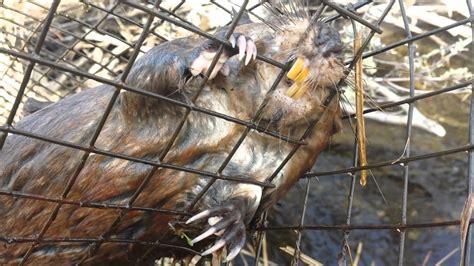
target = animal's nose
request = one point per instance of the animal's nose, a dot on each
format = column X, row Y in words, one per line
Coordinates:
column 328, row 40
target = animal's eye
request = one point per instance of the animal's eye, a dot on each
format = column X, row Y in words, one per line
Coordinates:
column 324, row 35
column 328, row 41
column 289, row 82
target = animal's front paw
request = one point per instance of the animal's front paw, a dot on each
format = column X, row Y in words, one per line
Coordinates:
column 226, row 221
column 246, row 48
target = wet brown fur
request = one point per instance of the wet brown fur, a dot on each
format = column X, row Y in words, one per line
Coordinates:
column 140, row 127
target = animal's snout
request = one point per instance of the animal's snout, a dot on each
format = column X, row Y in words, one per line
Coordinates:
column 328, row 40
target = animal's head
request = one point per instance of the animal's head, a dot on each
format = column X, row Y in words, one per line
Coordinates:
column 314, row 53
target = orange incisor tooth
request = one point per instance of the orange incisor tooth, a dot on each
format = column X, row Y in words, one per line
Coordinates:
column 302, row 76
column 297, row 90
column 302, row 88
column 296, row 68
column 292, row 90
column 297, row 73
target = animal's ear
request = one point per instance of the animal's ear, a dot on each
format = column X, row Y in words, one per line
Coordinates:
column 244, row 19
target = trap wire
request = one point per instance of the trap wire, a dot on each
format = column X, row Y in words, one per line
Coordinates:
column 156, row 16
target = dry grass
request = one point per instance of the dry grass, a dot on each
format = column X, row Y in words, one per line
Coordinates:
column 442, row 59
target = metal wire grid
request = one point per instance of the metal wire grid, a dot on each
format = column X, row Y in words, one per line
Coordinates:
column 171, row 17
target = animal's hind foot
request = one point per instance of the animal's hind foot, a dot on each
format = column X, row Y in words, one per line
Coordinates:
column 227, row 221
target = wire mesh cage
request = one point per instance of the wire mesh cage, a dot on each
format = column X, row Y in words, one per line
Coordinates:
column 418, row 75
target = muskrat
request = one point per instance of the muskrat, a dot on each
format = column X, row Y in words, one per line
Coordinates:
column 141, row 127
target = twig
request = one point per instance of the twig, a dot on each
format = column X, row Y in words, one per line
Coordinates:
column 304, row 258
column 427, row 258
column 265, row 251
column 358, row 254
column 445, row 258
column 359, row 88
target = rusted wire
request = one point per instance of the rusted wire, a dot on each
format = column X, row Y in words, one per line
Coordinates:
column 160, row 15
column 409, row 126
column 470, row 170
column 362, row 226
column 297, row 254
column 393, row 162
column 89, row 204
column 29, row 69
column 114, row 83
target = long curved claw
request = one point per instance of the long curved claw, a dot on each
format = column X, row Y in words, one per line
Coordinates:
column 251, row 48
column 237, row 243
column 216, row 70
column 210, row 213
column 199, row 216
column 234, row 237
column 242, row 44
column 201, row 64
column 204, row 235
column 230, row 221
column 232, row 40
column 218, row 245
column 247, row 49
column 222, row 224
column 198, row 65
column 254, row 51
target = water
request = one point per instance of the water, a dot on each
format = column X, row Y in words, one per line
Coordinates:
column 436, row 192
column 437, row 187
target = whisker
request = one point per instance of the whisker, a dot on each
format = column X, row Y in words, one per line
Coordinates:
column 289, row 134
column 280, row 129
column 371, row 102
column 304, row 9
column 351, row 122
column 292, row 8
column 343, row 107
column 378, row 186
column 259, row 120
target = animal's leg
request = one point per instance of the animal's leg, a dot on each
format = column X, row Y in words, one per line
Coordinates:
column 165, row 67
column 229, row 220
